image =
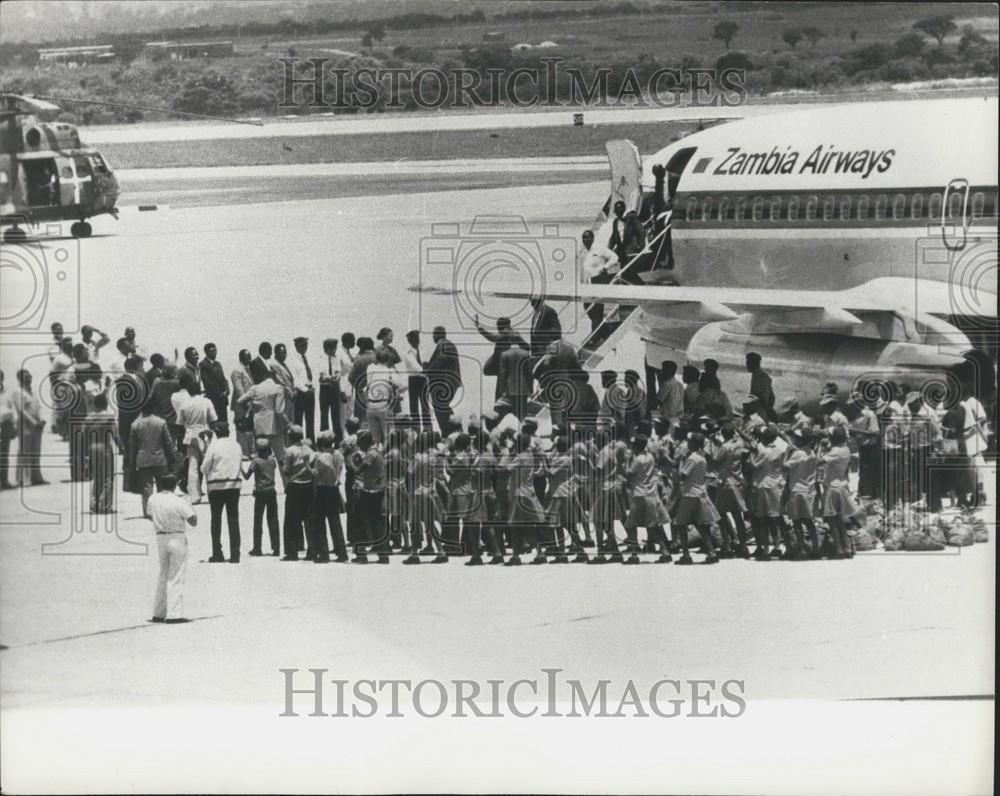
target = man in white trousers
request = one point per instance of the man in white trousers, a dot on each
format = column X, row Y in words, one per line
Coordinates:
column 171, row 516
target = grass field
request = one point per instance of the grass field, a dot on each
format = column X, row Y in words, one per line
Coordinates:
column 526, row 142
column 668, row 36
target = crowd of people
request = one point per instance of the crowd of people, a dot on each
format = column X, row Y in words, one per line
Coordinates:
column 670, row 456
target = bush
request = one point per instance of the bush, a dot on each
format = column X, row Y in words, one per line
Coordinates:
column 734, row 60
column 908, row 46
column 938, row 57
column 904, row 70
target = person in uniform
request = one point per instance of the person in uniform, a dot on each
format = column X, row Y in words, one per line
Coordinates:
column 800, row 464
column 297, row 469
column 563, row 509
column 263, row 468
column 837, row 502
column 766, row 493
column 694, row 508
column 369, row 488
column 610, row 498
column 730, row 490
column 527, row 518
column 645, row 508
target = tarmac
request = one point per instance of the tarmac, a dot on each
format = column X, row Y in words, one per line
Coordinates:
column 111, row 698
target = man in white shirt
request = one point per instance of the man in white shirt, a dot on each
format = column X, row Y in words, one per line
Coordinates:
column 171, row 515
column 197, row 416
column 416, row 382
column 598, row 265
column 506, row 419
column 330, row 401
column 305, row 393
column 346, row 354
column 94, row 345
column 385, row 384
column 223, row 478
column 975, row 435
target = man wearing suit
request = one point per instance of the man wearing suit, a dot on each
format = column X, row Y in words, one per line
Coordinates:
column 240, row 377
column 444, row 377
column 545, row 326
column 265, row 400
column 502, row 340
column 555, row 372
column 514, row 377
column 358, row 377
column 213, row 381
column 283, row 376
column 188, row 372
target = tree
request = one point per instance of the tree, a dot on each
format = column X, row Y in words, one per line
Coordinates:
column 938, row 26
column 791, row 37
column 813, row 34
column 908, row 46
column 724, row 31
column 970, row 40
column 375, row 33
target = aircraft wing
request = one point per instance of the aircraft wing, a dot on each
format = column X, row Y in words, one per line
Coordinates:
column 892, row 294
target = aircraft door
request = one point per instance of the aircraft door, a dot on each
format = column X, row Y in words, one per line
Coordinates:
column 955, row 214
column 41, row 176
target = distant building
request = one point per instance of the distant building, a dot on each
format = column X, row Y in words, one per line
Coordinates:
column 74, row 56
column 175, row 51
column 494, row 35
column 520, row 48
column 548, row 44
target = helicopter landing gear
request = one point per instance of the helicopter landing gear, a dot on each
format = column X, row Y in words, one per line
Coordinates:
column 80, row 229
column 15, row 235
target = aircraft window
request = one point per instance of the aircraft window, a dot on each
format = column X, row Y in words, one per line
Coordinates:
column 978, row 203
column 740, row 211
column 724, row 209
column 811, row 204
column 863, row 204
column 955, row 202
column 880, row 205
column 845, row 207
column 829, row 205
column 776, row 208
column 706, row 209
column 67, row 172
column 99, row 165
column 793, row 208
column 917, row 206
column 82, row 167
column 899, row 206
column 691, row 208
column 934, row 206
column 758, row 208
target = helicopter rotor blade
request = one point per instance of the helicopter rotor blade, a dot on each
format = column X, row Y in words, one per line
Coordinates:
column 149, row 108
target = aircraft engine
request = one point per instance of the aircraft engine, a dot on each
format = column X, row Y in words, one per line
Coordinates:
column 801, row 364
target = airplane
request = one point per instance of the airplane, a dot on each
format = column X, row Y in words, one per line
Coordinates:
column 46, row 172
column 845, row 243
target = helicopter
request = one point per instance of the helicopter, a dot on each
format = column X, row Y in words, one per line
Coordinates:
column 47, row 173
